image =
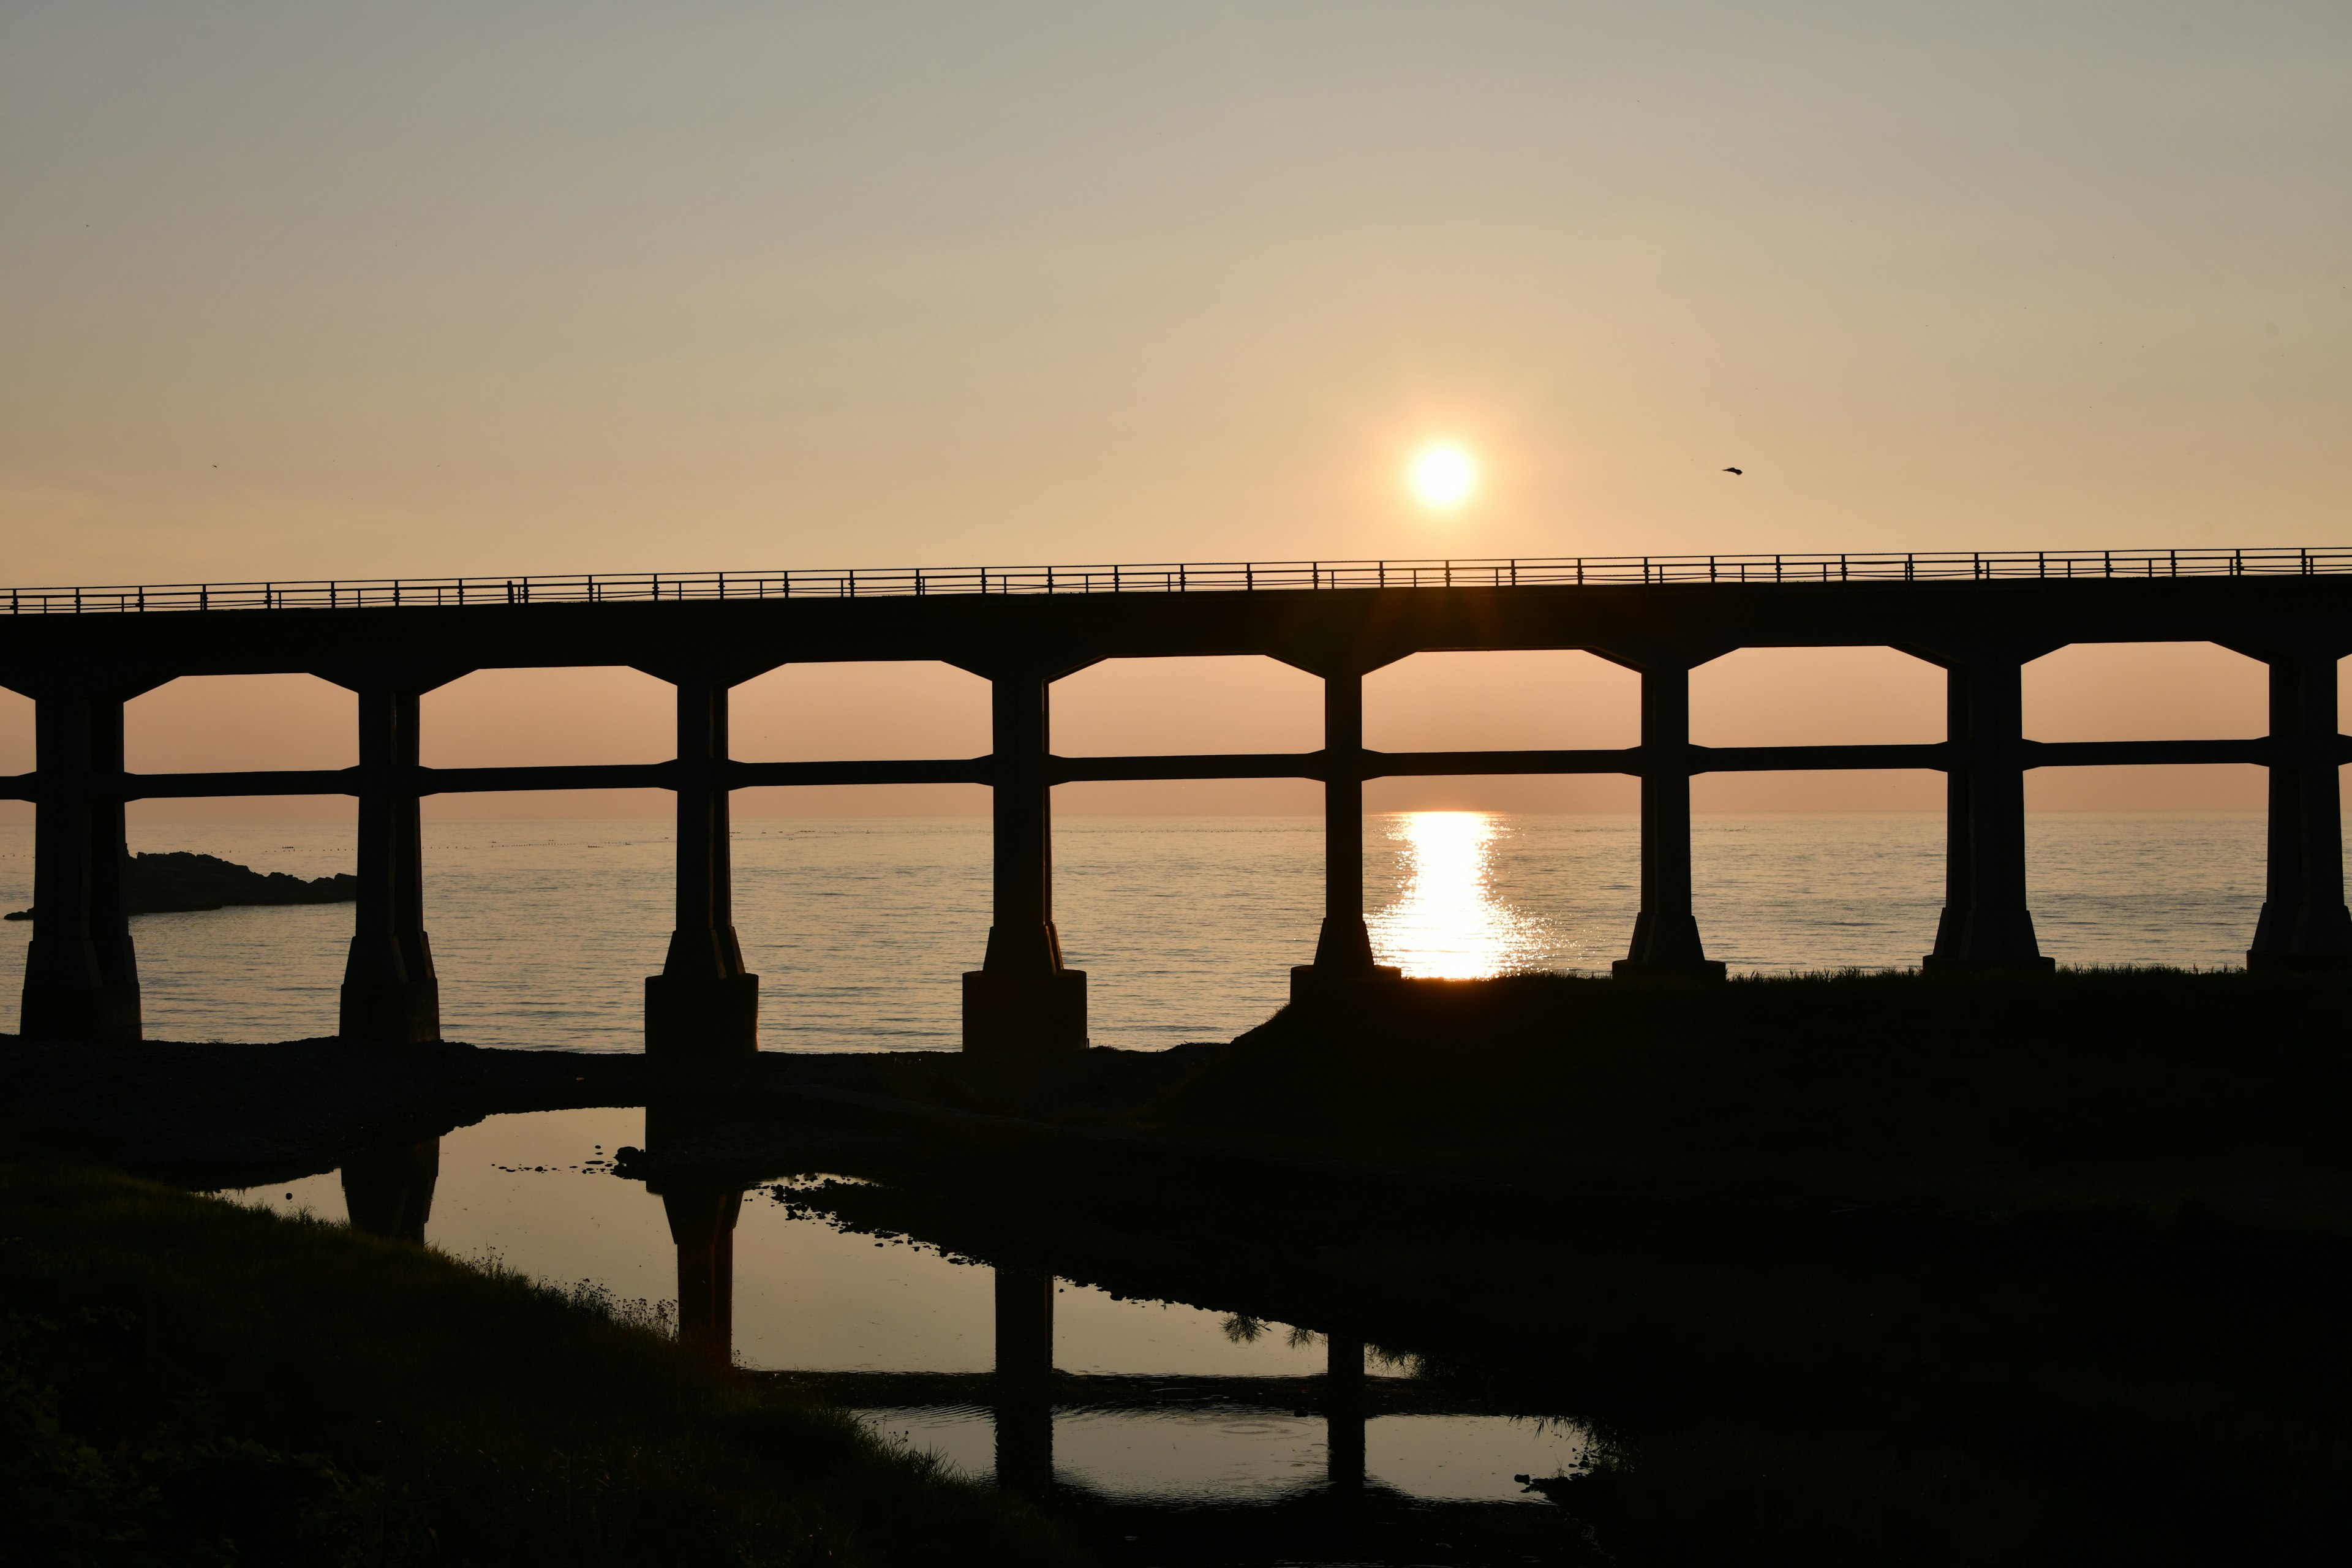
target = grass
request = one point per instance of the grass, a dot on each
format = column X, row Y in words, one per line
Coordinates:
column 2143, row 1088
column 184, row 1381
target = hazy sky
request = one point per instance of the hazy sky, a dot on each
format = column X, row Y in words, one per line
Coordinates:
column 314, row 289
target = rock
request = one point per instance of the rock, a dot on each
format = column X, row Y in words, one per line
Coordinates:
column 177, row 880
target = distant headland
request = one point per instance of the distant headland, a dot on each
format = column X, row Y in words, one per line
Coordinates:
column 178, row 881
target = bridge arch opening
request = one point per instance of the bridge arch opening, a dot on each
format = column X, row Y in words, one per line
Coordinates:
column 16, row 841
column 17, row 755
column 1818, row 696
column 1189, row 706
column 1534, row 699
column 227, row 724
column 859, row 709
column 517, row 717
column 546, row 718
column 2147, row 692
column 2106, row 889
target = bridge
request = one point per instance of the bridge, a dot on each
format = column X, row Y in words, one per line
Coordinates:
column 80, row 653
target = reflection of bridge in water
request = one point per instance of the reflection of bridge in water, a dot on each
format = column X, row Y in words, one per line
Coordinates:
column 389, row 1190
column 81, row 653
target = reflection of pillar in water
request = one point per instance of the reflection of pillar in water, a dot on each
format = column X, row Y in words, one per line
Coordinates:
column 1024, row 1373
column 702, row 1221
column 388, row 1190
column 1343, row 1410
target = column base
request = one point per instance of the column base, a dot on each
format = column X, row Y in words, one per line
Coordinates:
column 1024, row 1015
column 1688, row 969
column 400, row 1013
column 97, row 1013
column 2039, row 964
column 2290, row 938
column 701, row 1019
column 1310, row 985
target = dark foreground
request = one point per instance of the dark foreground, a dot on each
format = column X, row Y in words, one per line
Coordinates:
column 1871, row 1269
column 183, row 1381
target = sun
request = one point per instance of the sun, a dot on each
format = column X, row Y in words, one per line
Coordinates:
column 1442, row 474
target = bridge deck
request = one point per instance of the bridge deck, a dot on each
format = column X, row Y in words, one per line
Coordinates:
column 81, row 653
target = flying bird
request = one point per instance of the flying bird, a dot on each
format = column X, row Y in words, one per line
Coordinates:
column 1735, row 470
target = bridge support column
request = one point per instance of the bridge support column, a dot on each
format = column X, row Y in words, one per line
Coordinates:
column 702, row 1222
column 1025, row 1380
column 1985, row 923
column 703, row 1003
column 1666, row 932
column 389, row 991
column 2304, row 923
column 82, row 973
column 388, row 1190
column 1022, row 999
column 1343, row 952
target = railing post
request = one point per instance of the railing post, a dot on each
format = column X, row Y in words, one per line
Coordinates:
column 1022, row 999
column 703, row 1003
column 1985, row 923
column 2303, row 923
column 82, row 973
column 1666, row 932
column 389, row 991
column 1343, row 951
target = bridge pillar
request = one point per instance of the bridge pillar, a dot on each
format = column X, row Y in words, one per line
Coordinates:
column 1985, row 923
column 2303, row 923
column 388, row 1190
column 1343, row 951
column 1666, row 932
column 390, row 990
column 1025, row 1380
column 703, row 1003
column 82, row 973
column 702, row 1222
column 1022, row 999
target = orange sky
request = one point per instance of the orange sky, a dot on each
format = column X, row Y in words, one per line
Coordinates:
column 417, row 290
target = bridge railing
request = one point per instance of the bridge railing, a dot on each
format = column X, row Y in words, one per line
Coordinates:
column 1181, row 577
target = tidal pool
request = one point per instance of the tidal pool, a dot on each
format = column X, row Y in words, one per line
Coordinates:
column 1057, row 1387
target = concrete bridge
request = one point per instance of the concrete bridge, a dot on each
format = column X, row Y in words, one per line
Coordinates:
column 80, row 653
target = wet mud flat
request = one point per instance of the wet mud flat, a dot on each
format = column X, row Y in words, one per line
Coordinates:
column 223, row 1115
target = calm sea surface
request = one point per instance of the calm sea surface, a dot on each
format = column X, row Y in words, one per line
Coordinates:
column 543, row 930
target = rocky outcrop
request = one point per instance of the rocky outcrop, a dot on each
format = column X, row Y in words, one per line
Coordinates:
column 177, row 880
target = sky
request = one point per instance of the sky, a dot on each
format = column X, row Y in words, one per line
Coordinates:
column 309, row 290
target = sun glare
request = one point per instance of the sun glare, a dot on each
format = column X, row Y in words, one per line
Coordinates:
column 1447, row 920
column 1442, row 475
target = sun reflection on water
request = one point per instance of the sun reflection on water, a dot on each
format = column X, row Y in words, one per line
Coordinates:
column 1446, row 920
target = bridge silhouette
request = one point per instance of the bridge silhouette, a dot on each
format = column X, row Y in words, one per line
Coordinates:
column 80, row 653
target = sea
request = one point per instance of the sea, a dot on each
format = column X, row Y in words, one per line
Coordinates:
column 859, row 927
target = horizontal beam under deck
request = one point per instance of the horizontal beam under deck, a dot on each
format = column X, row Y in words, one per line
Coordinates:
column 1628, row 760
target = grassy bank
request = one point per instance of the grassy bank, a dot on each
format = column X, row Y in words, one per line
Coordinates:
column 1858, row 1270
column 183, row 1380
column 2138, row 1088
